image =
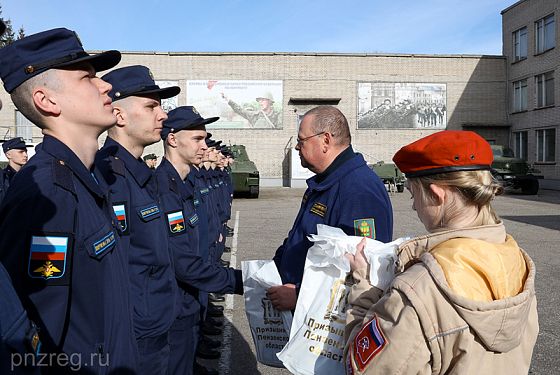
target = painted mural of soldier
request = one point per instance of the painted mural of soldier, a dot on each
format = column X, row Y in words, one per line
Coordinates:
column 265, row 117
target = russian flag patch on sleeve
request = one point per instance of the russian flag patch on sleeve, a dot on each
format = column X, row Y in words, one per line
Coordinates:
column 368, row 343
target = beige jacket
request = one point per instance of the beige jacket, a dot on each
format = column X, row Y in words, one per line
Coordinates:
column 420, row 326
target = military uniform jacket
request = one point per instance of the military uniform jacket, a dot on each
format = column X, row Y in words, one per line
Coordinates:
column 196, row 184
column 145, row 236
column 352, row 198
column 258, row 118
column 190, row 268
column 211, row 207
column 59, row 242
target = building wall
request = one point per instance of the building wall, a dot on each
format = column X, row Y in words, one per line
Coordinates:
column 524, row 14
column 476, row 87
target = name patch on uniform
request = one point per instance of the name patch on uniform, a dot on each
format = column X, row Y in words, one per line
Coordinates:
column 368, row 343
column 193, row 220
column 147, row 212
column 47, row 257
column 304, row 198
column 176, row 222
column 120, row 211
column 319, row 209
column 204, row 191
column 364, row 228
column 196, row 202
column 103, row 244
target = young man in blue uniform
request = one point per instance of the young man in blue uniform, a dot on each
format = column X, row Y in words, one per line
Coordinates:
column 344, row 193
column 184, row 136
column 58, row 235
column 137, row 99
column 15, row 150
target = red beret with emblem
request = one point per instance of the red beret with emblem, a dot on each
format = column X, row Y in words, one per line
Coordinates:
column 446, row 151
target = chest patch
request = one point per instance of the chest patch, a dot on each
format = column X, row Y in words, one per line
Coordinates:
column 196, row 202
column 368, row 343
column 204, row 191
column 48, row 256
column 120, row 211
column 103, row 244
column 364, row 228
column 193, row 220
column 319, row 209
column 176, row 222
column 150, row 211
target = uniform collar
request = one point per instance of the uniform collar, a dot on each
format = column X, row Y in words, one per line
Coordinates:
column 168, row 168
column 343, row 166
column 59, row 150
column 137, row 168
column 342, row 158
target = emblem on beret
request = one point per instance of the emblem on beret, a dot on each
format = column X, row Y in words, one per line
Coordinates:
column 30, row 69
column 195, row 111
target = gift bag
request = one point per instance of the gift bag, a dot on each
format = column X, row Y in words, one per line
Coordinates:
column 316, row 343
column 270, row 328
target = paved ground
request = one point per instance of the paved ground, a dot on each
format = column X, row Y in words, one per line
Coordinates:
column 262, row 224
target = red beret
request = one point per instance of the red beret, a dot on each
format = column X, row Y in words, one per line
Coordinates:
column 446, row 151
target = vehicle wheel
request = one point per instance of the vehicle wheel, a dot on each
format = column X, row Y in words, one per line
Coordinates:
column 530, row 187
column 400, row 188
column 254, row 191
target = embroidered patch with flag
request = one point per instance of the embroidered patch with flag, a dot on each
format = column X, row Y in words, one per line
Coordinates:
column 364, row 228
column 120, row 211
column 368, row 343
column 176, row 222
column 319, row 209
column 48, row 256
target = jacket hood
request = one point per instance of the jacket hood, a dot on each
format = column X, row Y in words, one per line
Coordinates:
column 499, row 324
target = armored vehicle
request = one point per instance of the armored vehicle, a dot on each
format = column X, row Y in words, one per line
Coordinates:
column 244, row 172
column 390, row 174
column 514, row 172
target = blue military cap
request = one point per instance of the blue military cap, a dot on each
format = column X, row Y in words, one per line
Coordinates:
column 14, row 143
column 182, row 118
column 212, row 143
column 208, row 135
column 34, row 54
column 2, row 27
column 136, row 80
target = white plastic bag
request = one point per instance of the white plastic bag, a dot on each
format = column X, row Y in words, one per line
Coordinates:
column 316, row 343
column 270, row 328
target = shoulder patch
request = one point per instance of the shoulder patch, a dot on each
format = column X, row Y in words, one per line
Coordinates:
column 364, row 228
column 63, row 175
column 49, row 258
column 117, row 166
column 121, row 211
column 368, row 343
column 173, row 185
column 176, row 222
column 319, row 209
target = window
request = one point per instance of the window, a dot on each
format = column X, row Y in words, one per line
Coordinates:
column 24, row 127
column 544, row 86
column 520, row 96
column 520, row 44
column 545, row 34
column 521, row 145
column 546, row 145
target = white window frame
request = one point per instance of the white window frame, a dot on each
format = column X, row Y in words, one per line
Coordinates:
column 544, row 34
column 520, row 95
column 24, row 127
column 544, row 90
column 546, row 152
column 521, row 145
column 520, row 44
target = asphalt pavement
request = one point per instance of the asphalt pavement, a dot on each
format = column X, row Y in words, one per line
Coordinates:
column 262, row 224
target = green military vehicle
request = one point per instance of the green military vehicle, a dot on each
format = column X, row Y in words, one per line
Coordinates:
column 390, row 174
column 244, row 172
column 514, row 172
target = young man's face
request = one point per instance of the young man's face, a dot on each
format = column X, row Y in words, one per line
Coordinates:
column 191, row 145
column 17, row 156
column 264, row 103
column 84, row 97
column 143, row 117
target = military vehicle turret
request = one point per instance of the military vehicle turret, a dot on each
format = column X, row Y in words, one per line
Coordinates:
column 514, row 172
column 244, row 172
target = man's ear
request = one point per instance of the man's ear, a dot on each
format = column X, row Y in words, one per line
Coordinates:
column 172, row 140
column 327, row 142
column 121, row 116
column 46, row 101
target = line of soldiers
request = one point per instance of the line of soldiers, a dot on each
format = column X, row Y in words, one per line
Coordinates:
column 113, row 262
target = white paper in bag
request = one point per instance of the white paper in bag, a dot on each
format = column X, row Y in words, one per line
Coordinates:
column 270, row 328
column 316, row 343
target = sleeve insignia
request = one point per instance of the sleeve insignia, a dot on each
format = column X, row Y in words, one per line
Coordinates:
column 364, row 228
column 47, row 257
column 319, row 209
column 120, row 211
column 368, row 343
column 176, row 222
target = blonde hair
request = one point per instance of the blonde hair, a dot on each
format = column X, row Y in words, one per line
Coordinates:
column 475, row 188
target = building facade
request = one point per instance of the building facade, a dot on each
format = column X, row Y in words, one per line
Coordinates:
column 529, row 40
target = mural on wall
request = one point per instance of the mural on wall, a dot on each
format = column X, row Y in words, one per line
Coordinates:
column 170, row 103
column 383, row 105
column 239, row 104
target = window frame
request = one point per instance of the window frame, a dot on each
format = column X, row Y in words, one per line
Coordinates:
column 544, row 90
column 541, row 34
column 518, row 40
column 521, row 145
column 544, row 153
column 520, row 93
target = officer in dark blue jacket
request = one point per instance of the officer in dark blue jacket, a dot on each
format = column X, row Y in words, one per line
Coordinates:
column 344, row 193
column 58, row 234
column 184, row 136
column 137, row 99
